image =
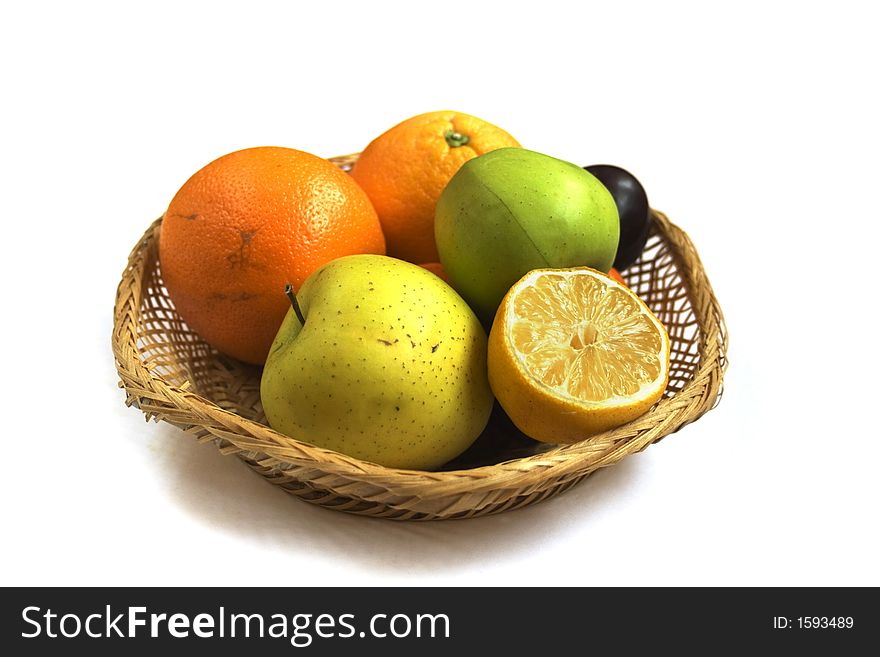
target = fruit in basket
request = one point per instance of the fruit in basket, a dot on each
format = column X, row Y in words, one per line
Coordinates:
column 246, row 224
column 573, row 353
column 513, row 210
column 632, row 207
column 404, row 170
column 387, row 364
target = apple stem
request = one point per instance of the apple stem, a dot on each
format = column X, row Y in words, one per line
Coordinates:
column 456, row 139
column 288, row 290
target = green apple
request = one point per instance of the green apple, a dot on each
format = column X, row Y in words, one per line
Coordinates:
column 513, row 210
column 384, row 362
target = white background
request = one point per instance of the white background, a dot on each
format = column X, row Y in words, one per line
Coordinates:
column 754, row 128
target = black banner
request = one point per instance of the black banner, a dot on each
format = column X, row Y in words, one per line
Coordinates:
column 434, row 621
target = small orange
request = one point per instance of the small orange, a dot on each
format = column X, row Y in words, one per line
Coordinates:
column 437, row 269
column 404, row 170
column 613, row 273
column 247, row 224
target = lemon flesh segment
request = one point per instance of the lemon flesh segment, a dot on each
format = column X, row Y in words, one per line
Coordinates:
column 587, row 339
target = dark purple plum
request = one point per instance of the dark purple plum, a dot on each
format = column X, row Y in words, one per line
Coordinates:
column 633, row 208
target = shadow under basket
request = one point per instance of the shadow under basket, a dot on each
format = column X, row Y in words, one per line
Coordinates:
column 171, row 375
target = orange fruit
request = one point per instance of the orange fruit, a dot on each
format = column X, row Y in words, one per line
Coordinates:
column 613, row 273
column 435, row 268
column 247, row 224
column 404, row 170
column 573, row 353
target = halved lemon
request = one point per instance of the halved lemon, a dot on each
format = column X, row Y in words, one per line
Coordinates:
column 573, row 353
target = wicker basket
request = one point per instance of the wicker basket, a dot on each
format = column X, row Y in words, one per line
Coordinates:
column 170, row 374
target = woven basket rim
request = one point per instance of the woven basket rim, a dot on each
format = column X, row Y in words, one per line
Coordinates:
column 668, row 416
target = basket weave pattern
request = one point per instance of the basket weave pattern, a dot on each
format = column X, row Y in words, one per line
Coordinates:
column 170, row 374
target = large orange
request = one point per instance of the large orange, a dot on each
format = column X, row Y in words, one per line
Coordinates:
column 247, row 224
column 404, row 170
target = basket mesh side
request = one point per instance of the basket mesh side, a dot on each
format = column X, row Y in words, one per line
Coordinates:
column 172, row 350
column 170, row 374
